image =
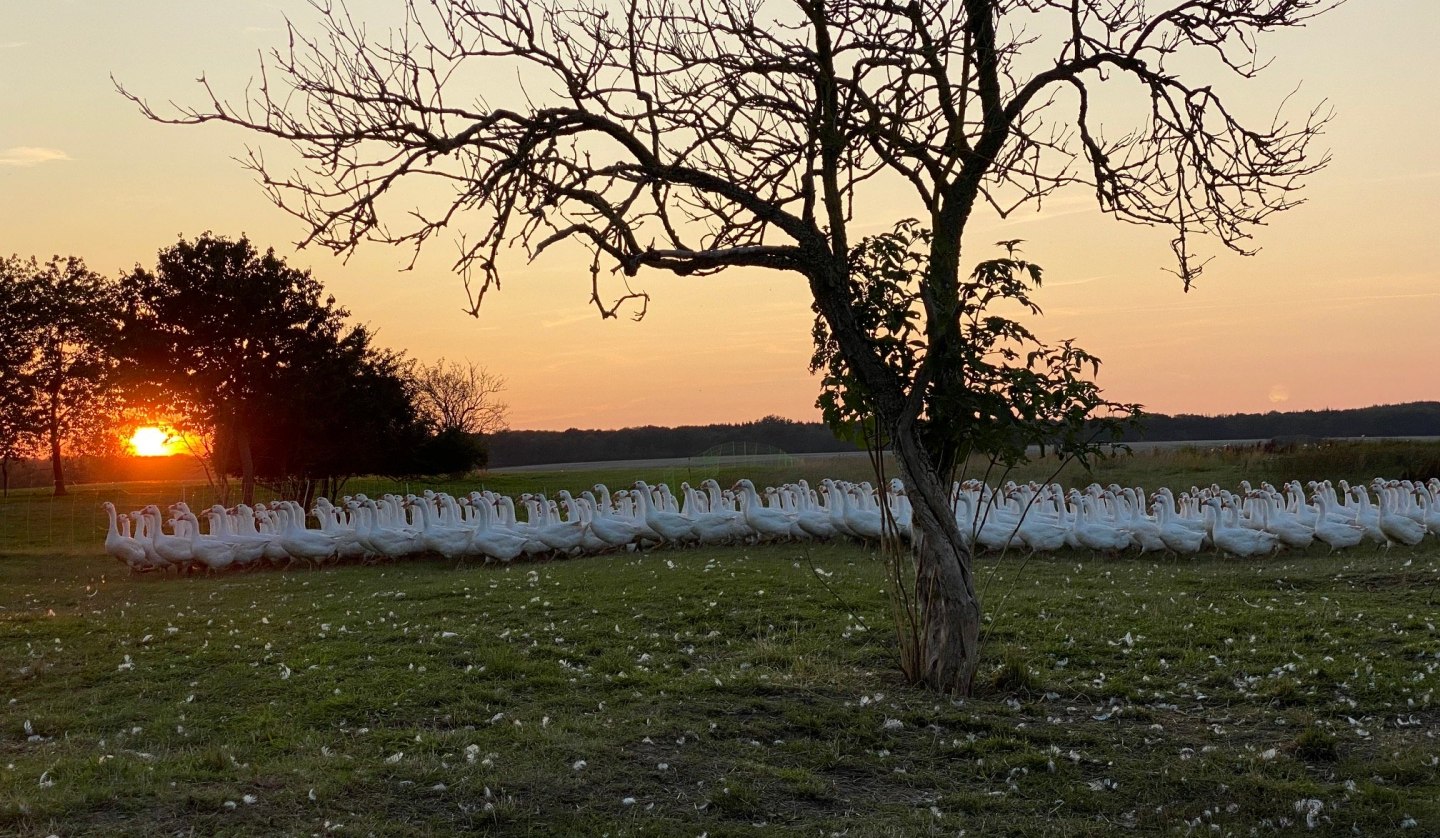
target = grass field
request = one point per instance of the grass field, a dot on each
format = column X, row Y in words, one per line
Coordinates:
column 719, row 691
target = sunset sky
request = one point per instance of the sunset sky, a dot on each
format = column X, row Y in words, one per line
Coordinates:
column 1341, row 308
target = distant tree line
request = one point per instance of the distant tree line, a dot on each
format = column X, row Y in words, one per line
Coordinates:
column 518, row 448
column 515, row 448
column 1410, row 419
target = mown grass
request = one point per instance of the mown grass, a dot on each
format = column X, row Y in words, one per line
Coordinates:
column 724, row 691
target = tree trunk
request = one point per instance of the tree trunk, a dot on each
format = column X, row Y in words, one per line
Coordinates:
column 247, row 464
column 945, row 607
column 57, row 468
column 5, row 474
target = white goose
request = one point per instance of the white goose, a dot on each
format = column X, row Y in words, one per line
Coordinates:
column 1396, row 526
column 614, row 530
column 766, row 522
column 1092, row 531
column 176, row 551
column 302, row 543
column 248, row 549
column 561, row 535
column 490, row 539
column 452, row 542
column 1335, row 533
column 1179, row 539
column 390, row 542
column 670, row 526
column 213, row 552
column 1284, row 526
column 123, row 547
column 1234, row 539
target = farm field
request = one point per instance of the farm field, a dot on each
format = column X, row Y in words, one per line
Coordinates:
column 726, row 691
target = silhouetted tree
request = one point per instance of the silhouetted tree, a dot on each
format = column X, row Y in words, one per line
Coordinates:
column 456, row 396
column 694, row 135
column 225, row 336
column 61, row 362
column 349, row 410
column 21, row 418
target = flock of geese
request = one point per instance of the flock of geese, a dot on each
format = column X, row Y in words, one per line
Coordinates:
column 1034, row 517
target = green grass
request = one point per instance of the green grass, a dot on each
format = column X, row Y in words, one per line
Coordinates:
column 727, row 691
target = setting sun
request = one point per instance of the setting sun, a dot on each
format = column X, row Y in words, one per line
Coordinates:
column 150, row 442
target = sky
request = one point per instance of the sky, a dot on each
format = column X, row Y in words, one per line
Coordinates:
column 1340, row 308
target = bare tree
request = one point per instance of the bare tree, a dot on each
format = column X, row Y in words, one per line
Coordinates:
column 455, row 396
column 695, row 135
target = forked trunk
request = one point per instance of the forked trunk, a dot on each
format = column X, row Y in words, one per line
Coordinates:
column 945, row 608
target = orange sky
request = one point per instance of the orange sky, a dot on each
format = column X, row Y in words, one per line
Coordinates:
column 1340, row 309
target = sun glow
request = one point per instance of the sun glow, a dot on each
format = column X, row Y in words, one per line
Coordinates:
column 150, row 442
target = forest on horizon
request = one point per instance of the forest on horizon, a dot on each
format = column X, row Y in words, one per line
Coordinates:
column 574, row 445
column 773, row 433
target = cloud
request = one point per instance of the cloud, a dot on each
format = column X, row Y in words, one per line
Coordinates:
column 12, row 44
column 24, row 155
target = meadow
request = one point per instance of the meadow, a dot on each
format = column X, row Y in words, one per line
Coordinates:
column 735, row 691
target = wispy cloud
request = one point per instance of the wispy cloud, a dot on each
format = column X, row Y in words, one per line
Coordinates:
column 1069, row 282
column 24, row 155
column 12, row 44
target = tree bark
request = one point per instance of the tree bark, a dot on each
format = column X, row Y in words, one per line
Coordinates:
column 57, row 468
column 947, row 607
column 247, row 464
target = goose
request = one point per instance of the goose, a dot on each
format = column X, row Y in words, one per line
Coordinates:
column 1092, row 532
column 142, row 535
column 390, row 542
column 123, row 547
column 862, row 513
column 716, row 525
column 1336, row 534
column 1395, row 525
column 1426, row 499
column 583, row 509
column 1279, row 523
column 622, row 507
column 248, row 549
column 901, row 510
column 1178, row 514
column 1367, row 516
column 213, row 552
column 1144, row 532
column 767, row 523
column 670, row 526
column 247, row 522
column 176, row 551
column 991, row 526
column 332, row 522
column 548, row 528
column 1235, row 539
column 452, row 542
column 1179, row 538
column 492, row 540
column 835, row 508
column 1040, row 528
column 614, row 530
column 299, row 542
column 810, row 517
